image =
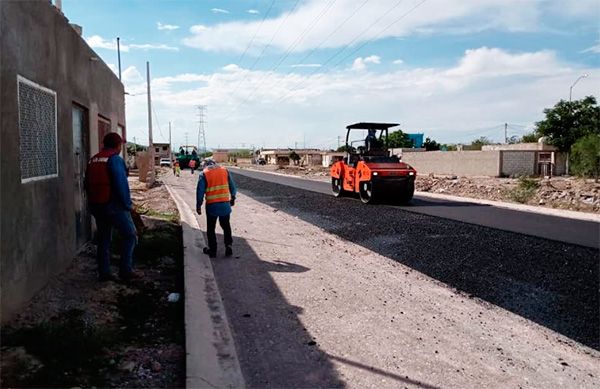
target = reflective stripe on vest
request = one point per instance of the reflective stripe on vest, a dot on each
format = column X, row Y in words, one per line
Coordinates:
column 98, row 178
column 217, row 185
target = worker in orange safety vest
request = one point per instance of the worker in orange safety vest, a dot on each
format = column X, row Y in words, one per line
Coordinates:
column 215, row 183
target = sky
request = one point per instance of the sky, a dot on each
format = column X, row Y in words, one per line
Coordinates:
column 294, row 73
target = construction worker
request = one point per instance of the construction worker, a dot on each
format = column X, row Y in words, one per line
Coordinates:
column 216, row 184
column 110, row 203
column 192, row 165
column 177, row 168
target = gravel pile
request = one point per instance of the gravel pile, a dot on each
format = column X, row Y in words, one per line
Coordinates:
column 551, row 283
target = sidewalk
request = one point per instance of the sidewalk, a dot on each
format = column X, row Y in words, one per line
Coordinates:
column 211, row 356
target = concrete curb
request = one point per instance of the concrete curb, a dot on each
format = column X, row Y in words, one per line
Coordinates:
column 211, row 359
column 500, row 204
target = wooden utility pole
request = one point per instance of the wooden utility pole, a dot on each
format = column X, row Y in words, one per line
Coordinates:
column 151, row 177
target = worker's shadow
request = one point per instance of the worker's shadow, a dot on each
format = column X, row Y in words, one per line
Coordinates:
column 273, row 346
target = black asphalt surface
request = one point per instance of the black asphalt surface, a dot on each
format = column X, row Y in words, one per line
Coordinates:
column 552, row 283
column 580, row 232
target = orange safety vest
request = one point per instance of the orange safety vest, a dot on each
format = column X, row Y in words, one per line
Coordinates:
column 217, row 185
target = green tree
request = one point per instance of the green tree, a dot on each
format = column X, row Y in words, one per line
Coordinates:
column 567, row 122
column 399, row 139
column 206, row 154
column 431, row 145
column 479, row 142
column 532, row 137
column 345, row 148
column 585, row 156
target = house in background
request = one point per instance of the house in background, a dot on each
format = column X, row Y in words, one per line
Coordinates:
column 58, row 100
column 161, row 150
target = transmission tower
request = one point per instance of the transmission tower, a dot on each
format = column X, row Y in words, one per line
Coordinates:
column 201, row 129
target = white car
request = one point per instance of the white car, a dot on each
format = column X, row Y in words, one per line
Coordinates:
column 165, row 162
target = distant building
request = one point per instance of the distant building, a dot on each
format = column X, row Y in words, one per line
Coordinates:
column 58, row 100
column 220, row 155
column 161, row 150
column 308, row 157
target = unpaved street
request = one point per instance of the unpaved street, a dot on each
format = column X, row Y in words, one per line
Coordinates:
column 326, row 292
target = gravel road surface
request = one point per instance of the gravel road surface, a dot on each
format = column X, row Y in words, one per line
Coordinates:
column 326, row 292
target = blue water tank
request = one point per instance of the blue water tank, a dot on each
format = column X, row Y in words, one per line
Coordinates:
column 417, row 140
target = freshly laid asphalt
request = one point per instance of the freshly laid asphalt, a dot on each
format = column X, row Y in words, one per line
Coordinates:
column 543, row 268
column 579, row 232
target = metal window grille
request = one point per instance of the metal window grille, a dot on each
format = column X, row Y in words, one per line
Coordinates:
column 37, row 131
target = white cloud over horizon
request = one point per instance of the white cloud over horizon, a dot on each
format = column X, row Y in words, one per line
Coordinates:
column 168, row 27
column 361, row 63
column 98, row 42
column 486, row 86
column 390, row 18
column 253, row 11
column 219, row 11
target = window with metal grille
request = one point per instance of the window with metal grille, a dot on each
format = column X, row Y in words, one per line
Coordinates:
column 37, row 131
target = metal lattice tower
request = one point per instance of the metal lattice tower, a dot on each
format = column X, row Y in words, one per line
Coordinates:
column 201, row 127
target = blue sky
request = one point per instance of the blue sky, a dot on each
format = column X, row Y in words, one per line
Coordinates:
column 280, row 72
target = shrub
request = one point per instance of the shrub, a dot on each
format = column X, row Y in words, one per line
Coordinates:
column 525, row 190
column 585, row 156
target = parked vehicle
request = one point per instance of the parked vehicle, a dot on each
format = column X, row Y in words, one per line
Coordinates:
column 370, row 170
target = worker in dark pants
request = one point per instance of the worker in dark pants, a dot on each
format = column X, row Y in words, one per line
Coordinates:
column 110, row 203
column 216, row 184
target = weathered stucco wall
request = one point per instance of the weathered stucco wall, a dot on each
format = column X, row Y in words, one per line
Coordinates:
column 38, row 226
column 460, row 163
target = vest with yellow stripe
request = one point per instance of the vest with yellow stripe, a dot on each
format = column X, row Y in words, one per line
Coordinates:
column 217, row 185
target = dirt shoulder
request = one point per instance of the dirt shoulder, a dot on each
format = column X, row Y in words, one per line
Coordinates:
column 569, row 193
column 78, row 332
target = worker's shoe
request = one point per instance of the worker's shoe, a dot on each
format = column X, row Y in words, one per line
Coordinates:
column 228, row 251
column 131, row 276
column 209, row 252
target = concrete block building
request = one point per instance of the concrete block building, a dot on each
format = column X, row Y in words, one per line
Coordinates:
column 58, row 99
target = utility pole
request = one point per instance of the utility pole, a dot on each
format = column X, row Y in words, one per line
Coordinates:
column 150, row 142
column 338, row 138
column 201, row 130
column 506, row 133
column 186, row 141
column 119, row 55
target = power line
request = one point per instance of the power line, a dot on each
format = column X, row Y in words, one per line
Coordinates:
column 256, row 32
column 363, row 44
column 289, row 50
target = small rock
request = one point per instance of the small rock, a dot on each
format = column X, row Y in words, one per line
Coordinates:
column 156, row 366
column 127, row 366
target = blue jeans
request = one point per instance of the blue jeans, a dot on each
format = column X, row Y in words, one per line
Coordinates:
column 107, row 217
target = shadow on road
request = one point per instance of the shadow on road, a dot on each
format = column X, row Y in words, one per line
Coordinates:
column 274, row 348
column 551, row 283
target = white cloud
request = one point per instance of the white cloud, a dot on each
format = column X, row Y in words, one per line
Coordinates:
column 131, row 76
column 219, row 11
column 253, row 11
column 231, row 68
column 148, row 46
column 593, row 49
column 387, row 17
column 361, row 63
column 398, row 62
column 487, row 85
column 168, row 27
column 494, row 62
column 97, row 42
column 307, row 65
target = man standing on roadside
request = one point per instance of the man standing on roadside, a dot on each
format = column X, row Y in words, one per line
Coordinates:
column 216, row 183
column 110, row 203
column 192, row 165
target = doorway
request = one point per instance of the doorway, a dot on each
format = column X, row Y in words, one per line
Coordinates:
column 80, row 159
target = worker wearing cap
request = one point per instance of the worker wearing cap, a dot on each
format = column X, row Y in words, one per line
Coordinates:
column 110, row 203
column 216, row 184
